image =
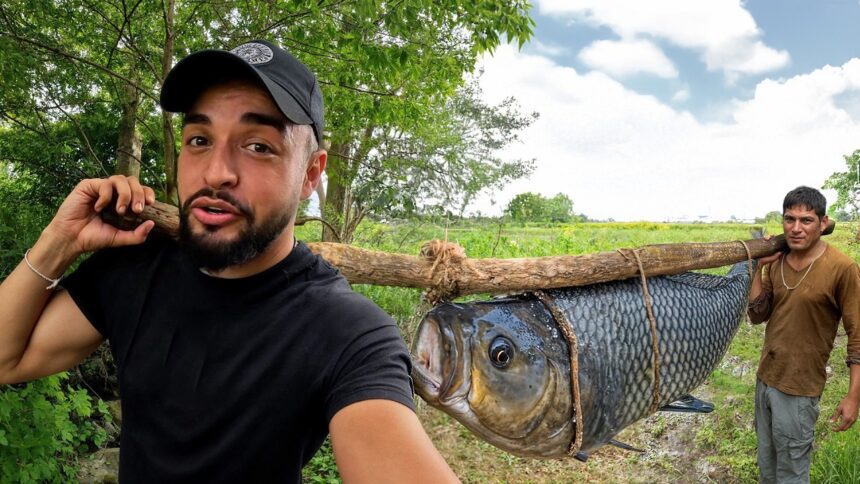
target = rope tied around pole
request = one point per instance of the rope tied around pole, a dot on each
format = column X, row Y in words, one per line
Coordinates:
column 448, row 260
column 567, row 331
column 749, row 258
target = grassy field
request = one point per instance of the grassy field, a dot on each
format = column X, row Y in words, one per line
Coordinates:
column 718, row 447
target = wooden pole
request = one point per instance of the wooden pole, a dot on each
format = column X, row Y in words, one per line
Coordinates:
column 444, row 269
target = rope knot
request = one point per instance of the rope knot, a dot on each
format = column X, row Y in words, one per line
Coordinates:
column 445, row 259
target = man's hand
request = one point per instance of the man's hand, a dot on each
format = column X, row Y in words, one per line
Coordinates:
column 769, row 258
column 762, row 261
column 78, row 228
column 845, row 415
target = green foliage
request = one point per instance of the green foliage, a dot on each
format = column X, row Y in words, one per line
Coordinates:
column 322, row 469
column 437, row 166
column 44, row 426
column 774, row 217
column 836, row 460
column 532, row 207
column 386, row 68
column 19, row 228
column 847, row 186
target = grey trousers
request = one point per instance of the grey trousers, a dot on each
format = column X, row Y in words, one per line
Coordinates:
column 784, row 426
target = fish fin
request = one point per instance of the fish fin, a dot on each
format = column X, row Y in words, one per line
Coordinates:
column 622, row 445
column 581, row 456
column 688, row 403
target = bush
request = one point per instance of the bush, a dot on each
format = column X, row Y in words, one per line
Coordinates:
column 322, row 469
column 44, row 426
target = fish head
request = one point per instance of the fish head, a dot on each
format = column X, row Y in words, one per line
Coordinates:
column 499, row 368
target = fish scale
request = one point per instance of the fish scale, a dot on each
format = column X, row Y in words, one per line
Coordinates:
column 523, row 403
column 696, row 317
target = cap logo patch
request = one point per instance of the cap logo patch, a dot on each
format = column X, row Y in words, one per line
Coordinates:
column 254, row 53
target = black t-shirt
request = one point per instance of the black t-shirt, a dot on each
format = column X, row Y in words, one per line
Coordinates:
column 234, row 380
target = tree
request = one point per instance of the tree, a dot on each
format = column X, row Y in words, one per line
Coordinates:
column 773, row 217
column 532, row 207
column 387, row 68
column 559, row 208
column 439, row 166
column 847, row 186
column 526, row 207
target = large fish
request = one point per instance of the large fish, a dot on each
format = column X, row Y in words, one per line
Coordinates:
column 503, row 368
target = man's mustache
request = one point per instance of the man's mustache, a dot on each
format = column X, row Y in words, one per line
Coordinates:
column 218, row 195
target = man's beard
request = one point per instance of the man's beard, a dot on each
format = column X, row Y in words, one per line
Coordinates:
column 215, row 255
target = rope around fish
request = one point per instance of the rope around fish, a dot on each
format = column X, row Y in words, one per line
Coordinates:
column 567, row 331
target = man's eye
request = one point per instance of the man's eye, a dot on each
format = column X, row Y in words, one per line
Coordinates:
column 259, row 148
column 197, row 141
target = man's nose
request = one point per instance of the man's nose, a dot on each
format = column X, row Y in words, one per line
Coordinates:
column 220, row 171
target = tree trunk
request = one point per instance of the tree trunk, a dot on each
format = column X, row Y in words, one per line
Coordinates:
column 336, row 193
column 166, row 119
column 128, row 144
column 447, row 272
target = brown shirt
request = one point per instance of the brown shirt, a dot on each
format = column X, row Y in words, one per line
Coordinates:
column 802, row 322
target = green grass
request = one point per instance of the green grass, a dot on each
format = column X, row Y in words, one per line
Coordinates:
column 837, row 460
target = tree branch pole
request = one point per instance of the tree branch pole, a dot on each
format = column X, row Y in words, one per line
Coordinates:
column 445, row 270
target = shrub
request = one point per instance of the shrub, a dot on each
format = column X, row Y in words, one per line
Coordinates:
column 44, row 426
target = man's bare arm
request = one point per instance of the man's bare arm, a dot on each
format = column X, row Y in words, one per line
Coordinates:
column 41, row 330
column 380, row 441
column 846, row 412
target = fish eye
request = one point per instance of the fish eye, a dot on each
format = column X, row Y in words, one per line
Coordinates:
column 501, row 352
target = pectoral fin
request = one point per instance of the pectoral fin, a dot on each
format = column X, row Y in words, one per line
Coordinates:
column 622, row 445
column 688, row 403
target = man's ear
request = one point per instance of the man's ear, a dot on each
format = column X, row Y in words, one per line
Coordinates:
column 313, row 172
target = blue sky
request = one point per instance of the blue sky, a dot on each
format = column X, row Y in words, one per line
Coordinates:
column 680, row 109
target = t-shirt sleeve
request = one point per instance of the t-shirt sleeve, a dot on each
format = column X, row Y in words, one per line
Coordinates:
column 759, row 309
column 87, row 289
column 111, row 282
column 849, row 302
column 375, row 364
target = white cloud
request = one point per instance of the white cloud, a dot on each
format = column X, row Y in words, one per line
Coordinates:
column 625, row 58
column 548, row 50
column 628, row 156
column 681, row 95
column 723, row 32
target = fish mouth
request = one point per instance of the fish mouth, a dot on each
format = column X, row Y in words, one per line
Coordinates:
column 437, row 359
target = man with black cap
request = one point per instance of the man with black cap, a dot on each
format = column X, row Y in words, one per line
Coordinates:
column 237, row 349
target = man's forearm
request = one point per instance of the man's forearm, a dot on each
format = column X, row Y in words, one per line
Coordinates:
column 23, row 296
column 854, row 382
column 760, row 302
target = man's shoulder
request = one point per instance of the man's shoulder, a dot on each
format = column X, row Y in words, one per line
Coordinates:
column 839, row 258
column 337, row 299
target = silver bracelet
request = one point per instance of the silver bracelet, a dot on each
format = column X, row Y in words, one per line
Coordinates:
column 54, row 282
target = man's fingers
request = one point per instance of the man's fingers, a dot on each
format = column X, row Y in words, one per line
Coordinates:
column 138, row 195
column 841, row 421
column 123, row 187
column 133, row 237
column 149, row 195
column 105, row 195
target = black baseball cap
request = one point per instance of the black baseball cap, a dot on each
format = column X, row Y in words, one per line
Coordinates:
column 292, row 85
